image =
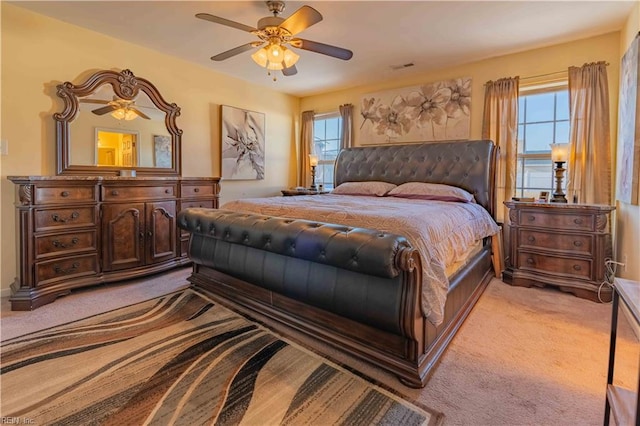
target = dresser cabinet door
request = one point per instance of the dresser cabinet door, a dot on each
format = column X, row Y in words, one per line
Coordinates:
column 123, row 236
column 161, row 231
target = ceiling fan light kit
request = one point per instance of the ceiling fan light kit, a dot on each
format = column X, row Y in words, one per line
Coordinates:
column 124, row 114
column 276, row 32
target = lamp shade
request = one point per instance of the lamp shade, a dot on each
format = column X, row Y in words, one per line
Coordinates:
column 559, row 152
column 313, row 160
column 260, row 57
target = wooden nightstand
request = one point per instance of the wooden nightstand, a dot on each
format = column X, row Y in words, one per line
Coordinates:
column 291, row 192
column 563, row 245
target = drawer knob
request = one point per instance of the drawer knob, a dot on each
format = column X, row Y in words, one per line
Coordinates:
column 167, row 191
column 64, row 193
column 60, row 270
column 60, row 244
column 577, row 267
column 577, row 221
column 114, row 192
column 531, row 238
column 530, row 261
column 56, row 217
column 531, row 218
column 577, row 243
column 196, row 189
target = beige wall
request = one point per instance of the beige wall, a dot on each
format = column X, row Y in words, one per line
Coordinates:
column 38, row 53
column 627, row 215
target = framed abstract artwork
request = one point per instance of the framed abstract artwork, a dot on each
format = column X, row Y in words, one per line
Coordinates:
column 161, row 151
column 243, row 143
column 628, row 166
column 430, row 112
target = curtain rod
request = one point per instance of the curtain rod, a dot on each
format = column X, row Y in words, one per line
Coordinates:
column 544, row 75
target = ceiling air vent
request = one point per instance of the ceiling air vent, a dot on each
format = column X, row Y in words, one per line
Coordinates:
column 402, row 66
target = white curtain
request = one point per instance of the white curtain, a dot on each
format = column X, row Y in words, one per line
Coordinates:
column 346, row 138
column 589, row 168
column 500, row 124
column 306, row 148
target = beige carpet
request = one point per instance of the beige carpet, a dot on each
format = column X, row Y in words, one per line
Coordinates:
column 523, row 357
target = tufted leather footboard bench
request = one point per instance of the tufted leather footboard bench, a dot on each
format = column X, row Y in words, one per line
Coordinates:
column 355, row 273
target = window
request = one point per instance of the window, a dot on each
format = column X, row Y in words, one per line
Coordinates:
column 543, row 119
column 327, row 129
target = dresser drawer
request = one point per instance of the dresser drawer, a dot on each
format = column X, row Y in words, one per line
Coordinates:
column 581, row 244
column 128, row 193
column 64, row 194
column 63, row 244
column 193, row 191
column 207, row 204
column 72, row 217
column 51, row 271
column 561, row 266
column 557, row 221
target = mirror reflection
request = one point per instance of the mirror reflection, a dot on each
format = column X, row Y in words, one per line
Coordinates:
column 109, row 131
column 115, row 121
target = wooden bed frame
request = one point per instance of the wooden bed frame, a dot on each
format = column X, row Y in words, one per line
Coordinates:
column 413, row 352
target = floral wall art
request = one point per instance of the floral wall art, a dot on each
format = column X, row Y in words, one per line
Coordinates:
column 430, row 112
column 243, row 140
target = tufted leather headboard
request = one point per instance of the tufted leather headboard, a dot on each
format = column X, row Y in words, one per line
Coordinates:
column 467, row 164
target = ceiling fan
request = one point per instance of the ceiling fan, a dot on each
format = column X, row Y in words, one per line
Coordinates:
column 275, row 34
column 121, row 109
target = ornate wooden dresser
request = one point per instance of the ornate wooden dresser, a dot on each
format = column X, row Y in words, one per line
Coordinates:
column 76, row 231
column 563, row 245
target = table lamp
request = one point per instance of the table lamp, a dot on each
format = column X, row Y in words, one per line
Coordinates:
column 559, row 155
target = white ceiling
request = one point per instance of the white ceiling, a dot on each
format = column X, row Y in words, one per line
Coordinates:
column 381, row 34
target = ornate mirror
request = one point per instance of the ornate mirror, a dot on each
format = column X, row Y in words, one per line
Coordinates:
column 116, row 121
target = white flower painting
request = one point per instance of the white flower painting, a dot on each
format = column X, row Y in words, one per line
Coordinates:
column 243, row 139
column 430, row 112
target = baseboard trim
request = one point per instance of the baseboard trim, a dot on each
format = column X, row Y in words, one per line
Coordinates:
column 5, row 292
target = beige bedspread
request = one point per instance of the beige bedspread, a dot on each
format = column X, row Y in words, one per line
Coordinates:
column 443, row 232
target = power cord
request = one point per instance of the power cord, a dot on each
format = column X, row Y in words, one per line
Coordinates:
column 609, row 274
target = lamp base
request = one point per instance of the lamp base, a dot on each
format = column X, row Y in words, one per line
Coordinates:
column 558, row 198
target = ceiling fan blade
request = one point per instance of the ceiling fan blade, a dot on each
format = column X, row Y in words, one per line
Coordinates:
column 94, row 101
column 223, row 21
column 325, row 49
column 301, row 19
column 292, row 70
column 140, row 113
column 233, row 52
column 104, row 110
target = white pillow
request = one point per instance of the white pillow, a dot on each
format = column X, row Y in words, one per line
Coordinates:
column 431, row 191
column 373, row 187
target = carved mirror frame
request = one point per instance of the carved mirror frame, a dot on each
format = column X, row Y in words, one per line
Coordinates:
column 126, row 86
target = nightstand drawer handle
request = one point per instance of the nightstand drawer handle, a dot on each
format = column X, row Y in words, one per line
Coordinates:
column 115, row 193
column 577, row 267
column 64, row 193
column 530, row 261
column 56, row 217
column 577, row 243
column 532, row 218
column 531, row 239
column 577, row 221
column 196, row 189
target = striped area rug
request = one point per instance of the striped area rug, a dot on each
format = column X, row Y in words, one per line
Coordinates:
column 183, row 359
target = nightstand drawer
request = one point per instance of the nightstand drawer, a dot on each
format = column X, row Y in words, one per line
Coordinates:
column 561, row 266
column 557, row 221
column 577, row 244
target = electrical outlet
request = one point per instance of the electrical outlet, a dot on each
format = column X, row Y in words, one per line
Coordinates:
column 4, row 147
column 624, row 261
